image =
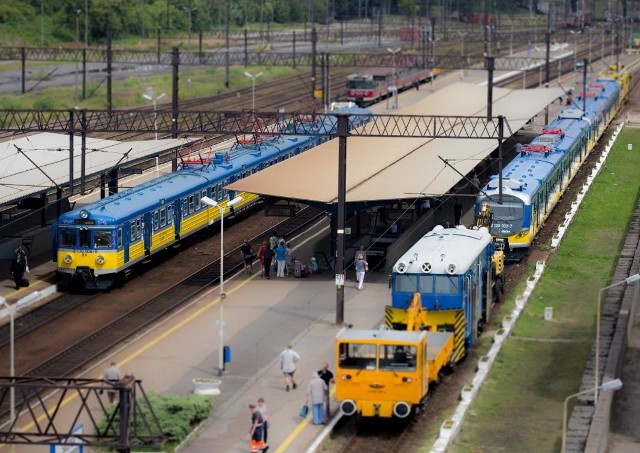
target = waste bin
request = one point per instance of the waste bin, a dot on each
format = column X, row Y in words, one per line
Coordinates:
column 227, row 354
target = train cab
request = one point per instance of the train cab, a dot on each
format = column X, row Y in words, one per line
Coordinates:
column 387, row 373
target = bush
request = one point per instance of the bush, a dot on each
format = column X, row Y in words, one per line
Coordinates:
column 177, row 416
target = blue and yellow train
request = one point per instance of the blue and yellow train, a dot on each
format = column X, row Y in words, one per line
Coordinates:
column 94, row 244
column 534, row 181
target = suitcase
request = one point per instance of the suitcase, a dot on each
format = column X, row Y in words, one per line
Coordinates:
column 24, row 283
column 297, row 269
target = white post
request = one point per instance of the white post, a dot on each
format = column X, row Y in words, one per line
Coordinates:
column 253, row 87
column 149, row 97
column 394, row 92
column 209, row 202
column 12, row 362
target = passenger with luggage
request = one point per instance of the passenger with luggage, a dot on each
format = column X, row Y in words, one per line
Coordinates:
column 19, row 266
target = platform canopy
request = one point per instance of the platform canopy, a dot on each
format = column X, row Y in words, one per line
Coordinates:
column 400, row 168
column 36, row 163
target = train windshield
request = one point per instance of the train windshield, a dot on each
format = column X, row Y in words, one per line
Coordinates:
column 360, row 84
column 506, row 218
column 427, row 284
column 102, row 238
column 67, row 237
column 358, row 356
column 397, row 357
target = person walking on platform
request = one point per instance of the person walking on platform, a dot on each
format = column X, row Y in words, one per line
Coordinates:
column 316, row 391
column 267, row 257
column 247, row 255
column 19, row 266
column 361, row 266
column 112, row 375
column 281, row 258
column 327, row 376
column 261, row 250
column 264, row 412
column 457, row 211
column 288, row 360
column 257, row 431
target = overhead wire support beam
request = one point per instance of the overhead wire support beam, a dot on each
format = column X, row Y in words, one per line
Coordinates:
column 176, row 123
column 227, row 58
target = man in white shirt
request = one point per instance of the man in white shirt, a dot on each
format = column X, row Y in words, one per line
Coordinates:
column 288, row 360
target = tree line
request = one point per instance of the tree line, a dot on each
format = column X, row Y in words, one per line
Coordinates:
column 145, row 18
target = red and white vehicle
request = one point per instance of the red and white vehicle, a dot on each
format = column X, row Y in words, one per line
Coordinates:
column 374, row 84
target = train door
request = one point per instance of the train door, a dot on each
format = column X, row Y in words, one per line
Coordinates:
column 127, row 238
column 146, row 231
column 54, row 250
column 469, row 307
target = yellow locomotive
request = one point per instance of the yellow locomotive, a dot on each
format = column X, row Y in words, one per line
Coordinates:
column 386, row 373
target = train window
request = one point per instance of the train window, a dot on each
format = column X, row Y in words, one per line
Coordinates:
column 203, row 193
column 406, row 283
column 102, row 238
column 219, row 192
column 156, row 220
column 67, row 237
column 197, row 204
column 425, row 284
column 133, row 231
column 358, row 356
column 119, row 238
column 169, row 214
column 397, row 357
column 185, row 211
column 446, row 284
column 163, row 217
column 85, row 237
column 191, row 204
column 138, row 228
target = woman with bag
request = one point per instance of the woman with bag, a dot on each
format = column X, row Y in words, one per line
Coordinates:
column 315, row 396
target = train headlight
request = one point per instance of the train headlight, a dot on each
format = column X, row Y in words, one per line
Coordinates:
column 84, row 214
column 407, row 379
column 401, row 409
column 348, row 407
column 522, row 233
column 345, row 377
column 100, row 259
column 67, row 259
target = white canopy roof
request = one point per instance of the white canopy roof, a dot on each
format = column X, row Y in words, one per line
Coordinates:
column 31, row 163
column 399, row 168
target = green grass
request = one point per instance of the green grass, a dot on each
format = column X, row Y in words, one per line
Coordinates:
column 520, row 406
column 128, row 93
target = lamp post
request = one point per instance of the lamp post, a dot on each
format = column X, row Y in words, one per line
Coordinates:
column 631, row 279
column 610, row 386
column 149, row 97
column 189, row 11
column 12, row 348
column 253, row 87
column 209, row 202
column 394, row 93
column 77, row 40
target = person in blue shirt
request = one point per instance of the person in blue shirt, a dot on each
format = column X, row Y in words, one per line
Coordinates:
column 281, row 258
